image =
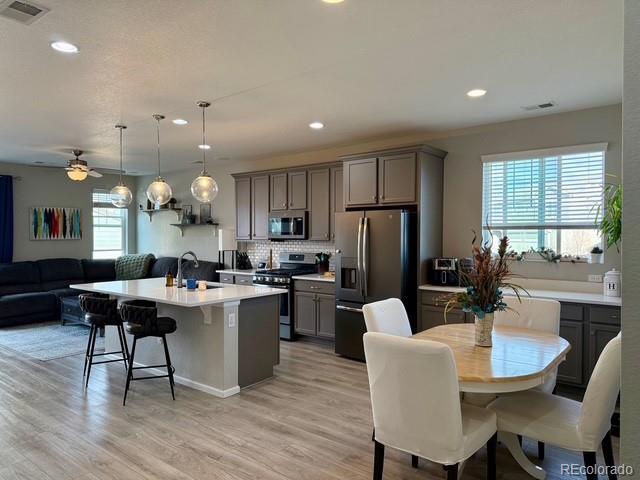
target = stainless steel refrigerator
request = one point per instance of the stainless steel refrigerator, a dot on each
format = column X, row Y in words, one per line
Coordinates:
column 375, row 260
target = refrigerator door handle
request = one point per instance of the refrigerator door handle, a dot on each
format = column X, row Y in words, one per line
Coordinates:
column 359, row 259
column 365, row 255
column 348, row 309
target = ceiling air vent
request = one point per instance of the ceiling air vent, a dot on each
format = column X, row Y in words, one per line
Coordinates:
column 23, row 12
column 539, row 106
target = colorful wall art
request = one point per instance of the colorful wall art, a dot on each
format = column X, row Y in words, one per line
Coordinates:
column 54, row 223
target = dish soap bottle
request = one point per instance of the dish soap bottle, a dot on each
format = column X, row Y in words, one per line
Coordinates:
column 168, row 280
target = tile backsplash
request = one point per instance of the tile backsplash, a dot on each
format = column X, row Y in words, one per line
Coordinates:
column 259, row 250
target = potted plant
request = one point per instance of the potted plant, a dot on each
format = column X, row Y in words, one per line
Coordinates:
column 323, row 262
column 596, row 255
column 610, row 222
column 484, row 286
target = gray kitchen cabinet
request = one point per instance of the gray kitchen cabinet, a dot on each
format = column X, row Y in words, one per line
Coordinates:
column 432, row 316
column 319, row 204
column 599, row 335
column 244, row 280
column 360, row 182
column 227, row 278
column 243, row 208
column 397, row 178
column 278, row 197
column 259, row 207
column 297, row 190
column 326, row 311
column 305, row 313
column 337, row 198
column 571, row 370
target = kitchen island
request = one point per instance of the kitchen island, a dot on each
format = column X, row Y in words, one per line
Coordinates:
column 227, row 336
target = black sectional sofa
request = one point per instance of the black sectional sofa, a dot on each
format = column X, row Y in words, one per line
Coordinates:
column 31, row 292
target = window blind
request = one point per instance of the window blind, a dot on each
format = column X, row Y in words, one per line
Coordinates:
column 109, row 226
column 545, row 189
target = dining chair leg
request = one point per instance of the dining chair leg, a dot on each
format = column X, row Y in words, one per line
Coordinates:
column 169, row 366
column 86, row 356
column 541, row 450
column 414, row 461
column 129, row 371
column 452, row 471
column 590, row 464
column 492, row 445
column 93, row 346
column 378, row 461
column 122, row 348
column 609, row 460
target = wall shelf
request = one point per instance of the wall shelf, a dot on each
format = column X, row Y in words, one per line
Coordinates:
column 178, row 212
column 183, row 226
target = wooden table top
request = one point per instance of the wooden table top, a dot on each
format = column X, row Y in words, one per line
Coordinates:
column 517, row 354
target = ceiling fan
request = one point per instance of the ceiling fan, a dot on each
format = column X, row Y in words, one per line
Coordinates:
column 78, row 170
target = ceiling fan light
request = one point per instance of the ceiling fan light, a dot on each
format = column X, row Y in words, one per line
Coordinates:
column 77, row 175
column 121, row 196
column 204, row 188
column 159, row 192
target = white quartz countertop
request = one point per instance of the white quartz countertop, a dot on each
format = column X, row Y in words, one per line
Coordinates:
column 315, row 277
column 231, row 271
column 561, row 296
column 154, row 289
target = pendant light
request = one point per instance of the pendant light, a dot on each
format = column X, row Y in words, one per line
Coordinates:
column 159, row 192
column 120, row 194
column 204, row 188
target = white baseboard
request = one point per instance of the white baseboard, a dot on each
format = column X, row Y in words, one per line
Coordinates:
column 216, row 392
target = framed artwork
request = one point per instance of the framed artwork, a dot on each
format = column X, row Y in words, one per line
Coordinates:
column 205, row 212
column 55, row 223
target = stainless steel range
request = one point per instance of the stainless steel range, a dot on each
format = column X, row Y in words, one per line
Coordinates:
column 291, row 264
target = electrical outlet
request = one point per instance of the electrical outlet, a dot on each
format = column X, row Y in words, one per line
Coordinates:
column 232, row 320
column 595, row 278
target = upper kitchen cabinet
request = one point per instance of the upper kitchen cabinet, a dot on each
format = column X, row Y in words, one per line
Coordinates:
column 278, row 199
column 297, row 190
column 337, row 198
column 259, row 207
column 397, row 178
column 360, row 182
column 243, row 208
column 319, row 204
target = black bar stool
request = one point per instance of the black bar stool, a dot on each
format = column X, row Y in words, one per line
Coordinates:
column 143, row 321
column 100, row 311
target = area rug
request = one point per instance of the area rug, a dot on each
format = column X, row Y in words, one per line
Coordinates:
column 48, row 341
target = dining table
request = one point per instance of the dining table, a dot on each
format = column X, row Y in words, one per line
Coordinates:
column 519, row 359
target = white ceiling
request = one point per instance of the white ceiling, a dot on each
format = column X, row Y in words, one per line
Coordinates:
column 363, row 67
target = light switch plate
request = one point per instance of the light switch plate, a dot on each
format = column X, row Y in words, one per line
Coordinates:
column 595, row 278
column 232, row 320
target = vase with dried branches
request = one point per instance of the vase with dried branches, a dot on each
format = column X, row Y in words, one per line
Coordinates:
column 484, row 285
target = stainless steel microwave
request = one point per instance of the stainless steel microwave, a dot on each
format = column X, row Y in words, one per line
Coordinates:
column 288, row 225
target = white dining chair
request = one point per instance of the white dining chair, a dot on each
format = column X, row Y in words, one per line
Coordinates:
column 416, row 405
column 567, row 423
column 387, row 316
column 540, row 314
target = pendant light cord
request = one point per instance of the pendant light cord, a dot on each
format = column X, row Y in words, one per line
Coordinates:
column 158, row 131
column 120, row 127
column 204, row 143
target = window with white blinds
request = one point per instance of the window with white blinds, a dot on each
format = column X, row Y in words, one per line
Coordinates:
column 535, row 196
column 109, row 227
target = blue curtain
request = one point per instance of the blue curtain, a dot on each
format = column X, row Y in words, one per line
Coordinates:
column 6, row 219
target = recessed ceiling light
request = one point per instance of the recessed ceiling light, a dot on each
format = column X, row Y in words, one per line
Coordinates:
column 476, row 92
column 64, row 47
column 316, row 125
column 204, row 147
column 180, row 121
column 333, row 1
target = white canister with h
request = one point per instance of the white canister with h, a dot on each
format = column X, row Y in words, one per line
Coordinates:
column 612, row 283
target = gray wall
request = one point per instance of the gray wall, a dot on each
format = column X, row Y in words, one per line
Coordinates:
column 47, row 187
column 463, row 181
column 630, row 442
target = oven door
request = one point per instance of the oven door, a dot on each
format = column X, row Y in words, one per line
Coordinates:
column 287, row 226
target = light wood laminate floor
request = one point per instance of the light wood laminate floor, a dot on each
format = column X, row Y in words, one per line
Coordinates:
column 313, row 421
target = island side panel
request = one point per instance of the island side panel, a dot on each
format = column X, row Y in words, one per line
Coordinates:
column 258, row 339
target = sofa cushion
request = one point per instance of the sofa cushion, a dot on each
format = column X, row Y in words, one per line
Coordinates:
column 19, row 277
column 23, row 304
column 205, row 271
column 133, row 267
column 99, row 270
column 58, row 269
column 162, row 265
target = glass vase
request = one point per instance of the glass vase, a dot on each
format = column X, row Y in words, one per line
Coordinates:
column 484, row 329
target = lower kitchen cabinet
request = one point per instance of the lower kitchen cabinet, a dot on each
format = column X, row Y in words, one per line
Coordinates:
column 432, row 316
column 315, row 313
column 571, row 370
column 599, row 335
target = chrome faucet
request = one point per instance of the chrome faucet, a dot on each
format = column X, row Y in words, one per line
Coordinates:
column 179, row 275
